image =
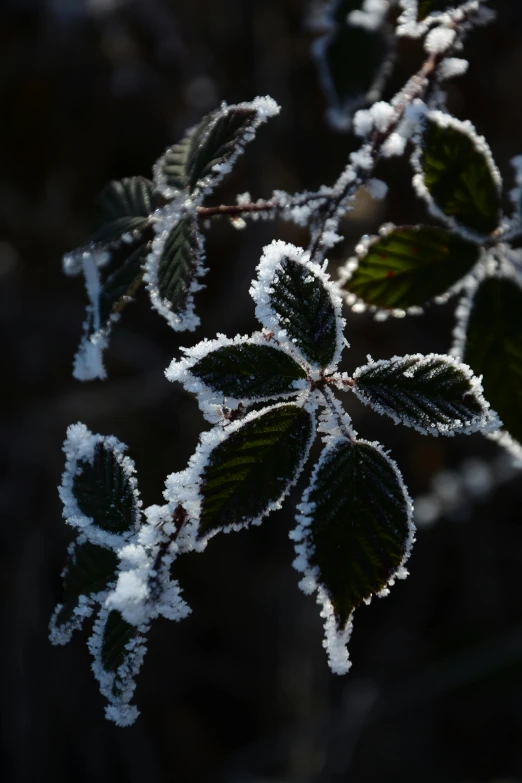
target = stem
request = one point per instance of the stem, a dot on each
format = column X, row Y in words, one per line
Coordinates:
column 418, row 86
column 237, row 209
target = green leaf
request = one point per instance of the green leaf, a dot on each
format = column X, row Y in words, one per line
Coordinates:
column 248, row 371
column 459, row 176
column 179, row 262
column 123, row 283
column 303, row 307
column 125, row 206
column 250, row 471
column 214, row 142
column 89, row 570
column 410, row 265
column 226, row 130
column 427, row 7
column 494, row 348
column 433, row 394
column 359, row 530
column 117, row 634
column 104, row 491
column 172, row 170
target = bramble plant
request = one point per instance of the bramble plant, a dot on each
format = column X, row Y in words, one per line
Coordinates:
column 268, row 395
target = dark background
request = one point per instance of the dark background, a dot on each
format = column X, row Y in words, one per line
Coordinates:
column 240, row 691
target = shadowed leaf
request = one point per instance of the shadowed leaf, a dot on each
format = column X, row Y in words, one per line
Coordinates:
column 125, row 206
column 88, row 570
column 359, row 532
column 494, row 348
column 104, row 492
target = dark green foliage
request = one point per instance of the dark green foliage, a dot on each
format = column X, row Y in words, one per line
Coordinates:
column 411, row 265
column 123, row 282
column 253, row 467
column 427, row 7
column 175, row 165
column 494, row 348
column 104, row 492
column 459, row 178
column 124, row 206
column 178, row 265
column 117, row 634
column 219, row 142
column 212, row 142
column 359, row 531
column 353, row 58
column 304, row 308
column 248, row 371
column 430, row 393
column 88, row 570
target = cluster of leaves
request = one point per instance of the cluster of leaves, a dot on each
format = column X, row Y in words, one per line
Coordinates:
column 150, row 230
column 354, row 528
column 405, row 267
column 280, row 383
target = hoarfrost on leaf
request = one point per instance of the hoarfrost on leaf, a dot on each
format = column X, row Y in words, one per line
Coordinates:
column 434, row 394
column 354, row 534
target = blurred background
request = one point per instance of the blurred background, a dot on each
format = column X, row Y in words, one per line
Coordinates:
column 95, row 89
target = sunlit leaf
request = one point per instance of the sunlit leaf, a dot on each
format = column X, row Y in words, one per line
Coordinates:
column 410, row 265
column 458, row 174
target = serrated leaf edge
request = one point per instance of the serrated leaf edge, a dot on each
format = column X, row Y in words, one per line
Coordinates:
column 165, row 220
column 210, row 402
column 184, row 487
column 445, row 120
column 337, row 638
column 488, row 421
column 358, row 305
column 119, row 710
column 264, row 107
column 260, row 293
column 79, row 447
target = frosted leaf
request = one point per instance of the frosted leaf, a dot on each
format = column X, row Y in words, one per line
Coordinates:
column 125, row 208
column 434, row 394
column 174, row 266
column 354, row 534
column 99, row 490
column 407, row 266
column 456, row 175
column 242, row 472
column 118, row 650
column 489, row 339
column 297, row 302
column 208, row 152
column 237, row 371
column 354, row 57
column 89, row 572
